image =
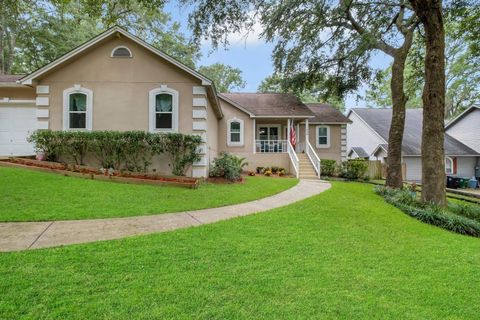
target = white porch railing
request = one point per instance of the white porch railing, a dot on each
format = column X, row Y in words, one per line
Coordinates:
column 314, row 159
column 294, row 158
column 271, row 146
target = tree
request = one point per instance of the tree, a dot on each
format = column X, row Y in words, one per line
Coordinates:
column 276, row 83
column 44, row 30
column 225, row 77
column 462, row 72
column 324, row 42
column 433, row 155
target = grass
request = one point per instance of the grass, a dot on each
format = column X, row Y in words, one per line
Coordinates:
column 27, row 195
column 343, row 254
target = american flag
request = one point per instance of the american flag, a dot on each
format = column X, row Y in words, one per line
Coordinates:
column 293, row 137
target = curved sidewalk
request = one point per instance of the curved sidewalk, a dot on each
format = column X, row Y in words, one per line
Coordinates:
column 16, row 236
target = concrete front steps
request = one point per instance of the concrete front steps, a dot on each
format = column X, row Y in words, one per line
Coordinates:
column 307, row 171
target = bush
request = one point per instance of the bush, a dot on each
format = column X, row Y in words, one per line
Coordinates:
column 267, row 173
column 448, row 219
column 131, row 150
column 328, row 167
column 274, row 169
column 228, row 166
column 259, row 170
column 354, row 169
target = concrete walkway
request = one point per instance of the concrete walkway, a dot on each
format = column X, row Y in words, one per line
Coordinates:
column 32, row 235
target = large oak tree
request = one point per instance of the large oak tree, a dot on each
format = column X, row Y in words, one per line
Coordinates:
column 327, row 42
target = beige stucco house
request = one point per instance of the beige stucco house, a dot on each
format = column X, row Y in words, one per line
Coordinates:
column 117, row 81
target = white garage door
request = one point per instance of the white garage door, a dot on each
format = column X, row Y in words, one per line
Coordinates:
column 16, row 124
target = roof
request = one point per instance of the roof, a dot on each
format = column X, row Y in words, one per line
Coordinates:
column 461, row 116
column 10, row 80
column 28, row 79
column 10, row 77
column 379, row 120
column 381, row 146
column 279, row 105
column 359, row 151
column 326, row 113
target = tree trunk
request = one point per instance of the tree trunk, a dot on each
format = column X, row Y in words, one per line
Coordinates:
column 395, row 137
column 433, row 153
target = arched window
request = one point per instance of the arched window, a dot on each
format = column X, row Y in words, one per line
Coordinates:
column 449, row 165
column 77, row 108
column 163, row 109
column 235, row 132
column 121, row 52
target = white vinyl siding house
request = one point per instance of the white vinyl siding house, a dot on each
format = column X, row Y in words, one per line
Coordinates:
column 467, row 128
column 360, row 135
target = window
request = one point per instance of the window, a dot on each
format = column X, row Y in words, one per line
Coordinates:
column 163, row 109
column 323, row 137
column 121, row 52
column 77, row 109
column 449, row 165
column 235, row 132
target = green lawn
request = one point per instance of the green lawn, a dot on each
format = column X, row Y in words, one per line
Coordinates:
column 342, row 254
column 27, row 195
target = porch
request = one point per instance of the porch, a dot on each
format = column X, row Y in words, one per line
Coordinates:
column 274, row 136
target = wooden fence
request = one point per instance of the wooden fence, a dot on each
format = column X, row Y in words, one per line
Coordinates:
column 378, row 170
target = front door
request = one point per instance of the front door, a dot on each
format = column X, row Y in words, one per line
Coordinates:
column 269, row 136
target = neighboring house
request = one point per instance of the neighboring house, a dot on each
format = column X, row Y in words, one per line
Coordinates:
column 116, row 81
column 369, row 131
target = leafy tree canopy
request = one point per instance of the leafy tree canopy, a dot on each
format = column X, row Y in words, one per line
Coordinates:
column 462, row 70
column 225, row 77
column 34, row 33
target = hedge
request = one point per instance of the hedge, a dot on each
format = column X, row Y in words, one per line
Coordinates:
column 128, row 150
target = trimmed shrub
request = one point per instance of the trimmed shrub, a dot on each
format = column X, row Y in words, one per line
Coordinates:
column 228, row 166
column 130, row 150
column 353, row 169
column 448, row 219
column 328, row 167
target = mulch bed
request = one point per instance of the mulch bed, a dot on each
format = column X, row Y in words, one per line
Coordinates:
column 96, row 174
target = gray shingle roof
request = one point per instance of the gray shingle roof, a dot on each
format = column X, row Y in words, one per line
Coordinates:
column 380, row 119
column 326, row 113
column 360, row 152
column 270, row 104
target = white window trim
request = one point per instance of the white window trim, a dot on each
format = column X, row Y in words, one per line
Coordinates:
column 151, row 113
column 66, row 107
column 120, row 47
column 451, row 165
column 322, row 146
column 231, row 143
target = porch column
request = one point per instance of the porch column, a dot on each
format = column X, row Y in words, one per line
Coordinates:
column 307, row 133
column 254, row 136
column 288, row 129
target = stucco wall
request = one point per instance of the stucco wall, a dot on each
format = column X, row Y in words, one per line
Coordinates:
column 334, row 152
column 20, row 93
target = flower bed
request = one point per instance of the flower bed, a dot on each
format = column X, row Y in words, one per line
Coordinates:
column 97, row 174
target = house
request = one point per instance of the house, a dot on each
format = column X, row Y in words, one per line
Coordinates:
column 370, row 127
column 116, row 81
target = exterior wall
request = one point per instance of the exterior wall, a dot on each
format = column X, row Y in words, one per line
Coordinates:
column 334, row 152
column 467, row 130
column 414, row 168
column 231, row 112
column 121, row 94
column 360, row 135
column 17, row 93
column 380, row 155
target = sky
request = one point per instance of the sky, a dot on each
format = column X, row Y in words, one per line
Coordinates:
column 252, row 55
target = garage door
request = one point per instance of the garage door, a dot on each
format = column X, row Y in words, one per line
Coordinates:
column 16, row 124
